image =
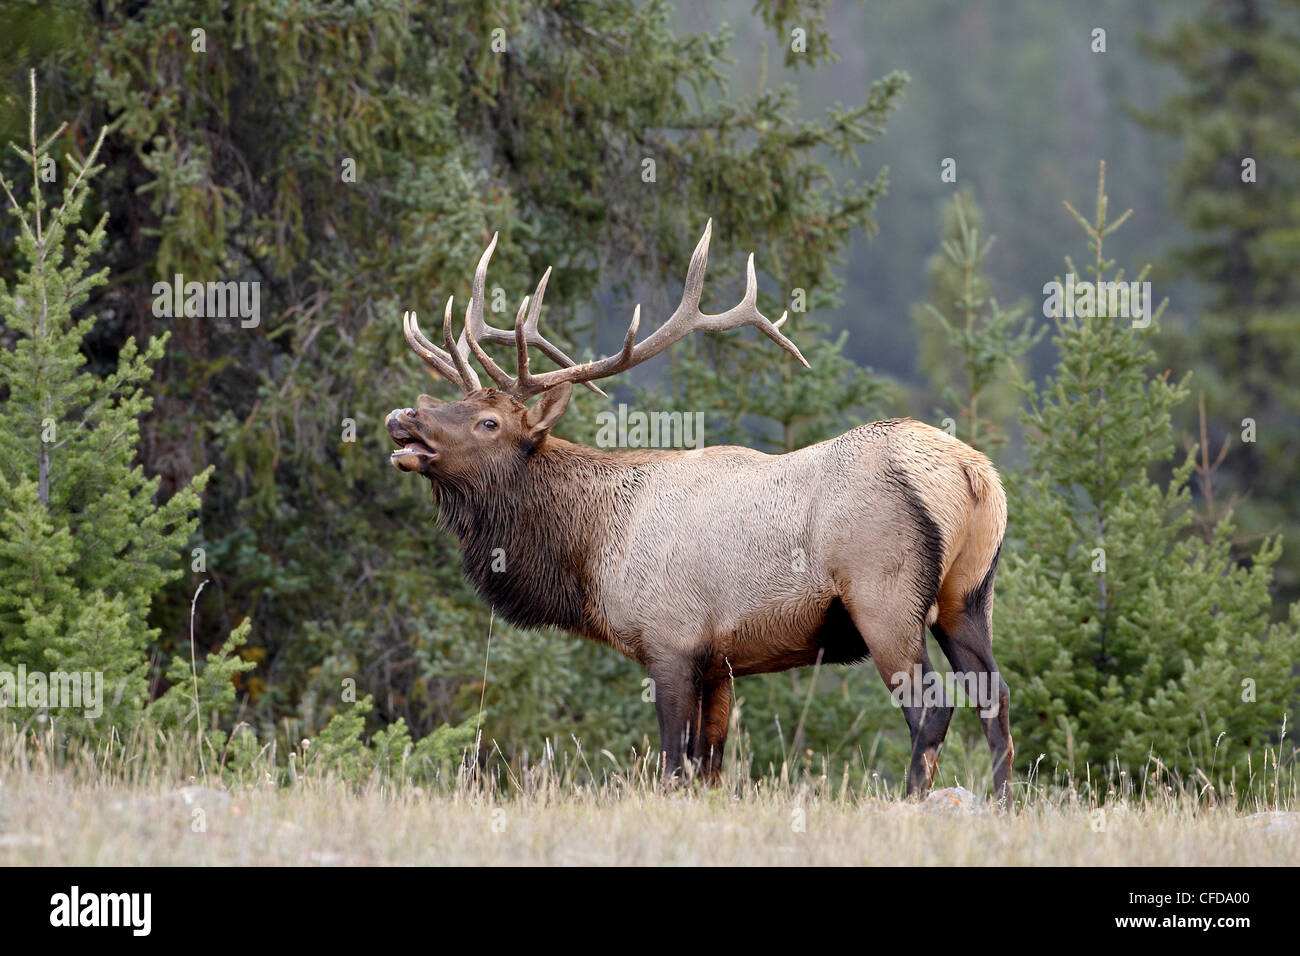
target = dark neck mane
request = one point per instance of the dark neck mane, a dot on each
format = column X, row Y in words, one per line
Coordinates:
column 529, row 535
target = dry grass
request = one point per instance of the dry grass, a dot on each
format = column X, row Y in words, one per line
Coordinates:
column 58, row 822
column 99, row 809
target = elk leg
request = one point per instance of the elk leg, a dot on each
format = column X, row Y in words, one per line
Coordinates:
column 897, row 649
column 969, row 647
column 677, row 705
column 927, row 720
column 715, row 714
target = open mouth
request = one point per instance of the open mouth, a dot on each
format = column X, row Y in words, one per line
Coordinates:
column 414, row 454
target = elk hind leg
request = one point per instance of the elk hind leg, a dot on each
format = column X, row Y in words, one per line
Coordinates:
column 900, row 656
column 966, row 638
column 710, row 742
column 928, row 717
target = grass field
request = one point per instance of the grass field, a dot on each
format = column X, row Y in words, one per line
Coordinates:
column 55, row 822
column 89, row 810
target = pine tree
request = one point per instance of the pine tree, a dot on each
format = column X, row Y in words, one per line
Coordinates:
column 84, row 544
column 1237, row 188
column 755, row 396
column 354, row 159
column 1122, row 635
column 974, row 356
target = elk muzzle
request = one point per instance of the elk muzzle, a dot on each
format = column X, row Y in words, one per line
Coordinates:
column 416, row 452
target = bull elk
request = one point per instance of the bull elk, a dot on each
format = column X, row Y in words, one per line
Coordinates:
column 718, row 562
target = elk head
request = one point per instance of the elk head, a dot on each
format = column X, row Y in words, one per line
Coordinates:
column 487, row 430
column 491, row 428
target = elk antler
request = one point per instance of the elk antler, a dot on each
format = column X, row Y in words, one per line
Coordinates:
column 686, row 318
column 457, row 369
column 453, row 363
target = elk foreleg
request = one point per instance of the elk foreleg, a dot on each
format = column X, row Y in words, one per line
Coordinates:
column 677, row 704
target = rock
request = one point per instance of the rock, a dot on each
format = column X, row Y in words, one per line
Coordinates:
column 954, row 800
column 177, row 805
column 20, row 839
column 329, row 858
column 1274, row 821
column 203, row 797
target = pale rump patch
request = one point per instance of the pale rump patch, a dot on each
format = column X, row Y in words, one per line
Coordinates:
column 963, row 495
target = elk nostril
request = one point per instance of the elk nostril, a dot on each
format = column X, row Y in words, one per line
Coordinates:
column 398, row 423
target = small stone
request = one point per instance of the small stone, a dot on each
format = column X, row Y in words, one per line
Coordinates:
column 1275, row 821
column 954, row 800
column 204, row 797
column 20, row 839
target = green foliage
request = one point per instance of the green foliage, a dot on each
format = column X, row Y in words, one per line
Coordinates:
column 86, row 545
column 976, row 355
column 541, row 686
column 339, row 751
column 215, row 684
column 239, row 154
column 819, row 720
column 1237, row 188
column 1122, row 635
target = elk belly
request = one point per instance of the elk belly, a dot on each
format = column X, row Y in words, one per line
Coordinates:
column 795, row 636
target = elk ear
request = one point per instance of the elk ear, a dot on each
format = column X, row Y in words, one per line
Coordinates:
column 546, row 411
column 428, row 401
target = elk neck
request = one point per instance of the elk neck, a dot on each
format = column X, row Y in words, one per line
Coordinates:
column 531, row 533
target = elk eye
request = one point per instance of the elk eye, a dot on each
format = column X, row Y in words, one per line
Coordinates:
column 489, row 423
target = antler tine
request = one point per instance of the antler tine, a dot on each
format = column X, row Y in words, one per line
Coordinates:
column 527, row 335
column 474, row 311
column 693, row 290
column 469, row 380
column 437, row 359
column 748, row 314
column 629, row 340
column 499, row 375
column 486, row 334
column 522, row 323
column 476, row 329
column 686, row 318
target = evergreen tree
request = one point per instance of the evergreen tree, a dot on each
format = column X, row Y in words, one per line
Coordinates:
column 84, row 543
column 1122, row 635
column 973, row 357
column 353, row 160
column 752, row 396
column 1238, row 189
